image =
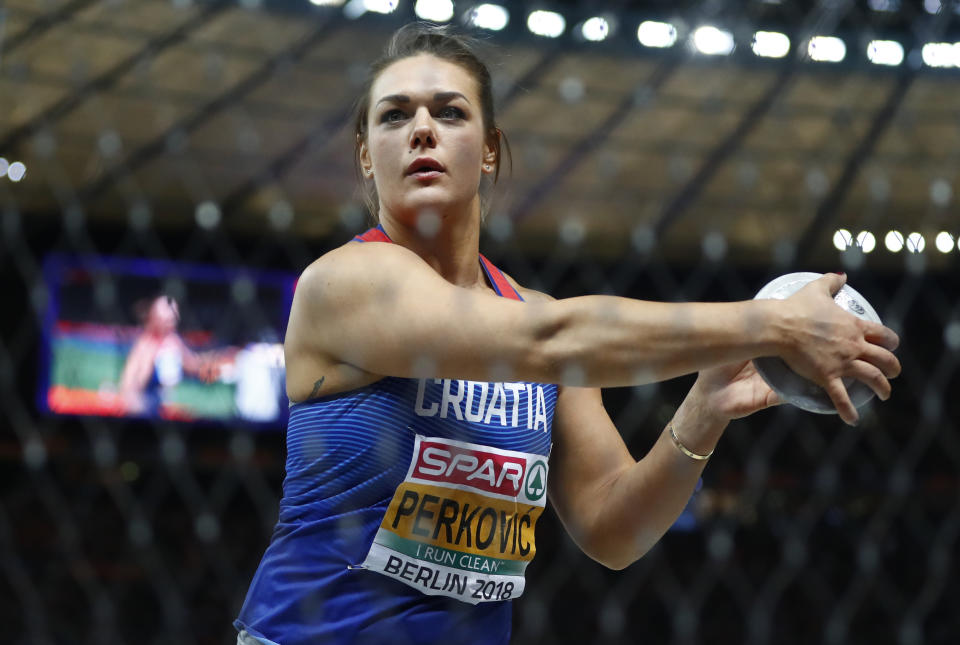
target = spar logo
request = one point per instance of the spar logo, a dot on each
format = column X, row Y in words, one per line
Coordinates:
column 483, row 470
column 536, row 484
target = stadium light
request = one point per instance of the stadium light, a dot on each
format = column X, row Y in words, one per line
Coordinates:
column 356, row 8
column 434, row 10
column 656, row 34
column 893, row 241
column 712, row 41
column 934, row 6
column 885, row 52
column 380, row 6
column 826, row 49
column 4, row 165
column 595, row 29
column 842, row 239
column 327, row 3
column 916, row 243
column 866, row 241
column 944, row 242
column 16, row 171
column 489, row 16
column 939, row 54
column 548, row 24
column 770, row 44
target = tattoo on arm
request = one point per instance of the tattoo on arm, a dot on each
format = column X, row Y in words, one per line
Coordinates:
column 316, row 387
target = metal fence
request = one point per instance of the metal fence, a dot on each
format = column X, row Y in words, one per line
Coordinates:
column 129, row 530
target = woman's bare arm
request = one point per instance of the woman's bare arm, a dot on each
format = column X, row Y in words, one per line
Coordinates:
column 616, row 508
column 380, row 308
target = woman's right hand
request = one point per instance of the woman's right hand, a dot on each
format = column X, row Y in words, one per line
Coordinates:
column 825, row 344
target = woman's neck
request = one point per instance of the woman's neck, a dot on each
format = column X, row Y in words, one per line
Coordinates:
column 453, row 250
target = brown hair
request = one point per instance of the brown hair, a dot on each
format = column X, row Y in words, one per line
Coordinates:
column 440, row 41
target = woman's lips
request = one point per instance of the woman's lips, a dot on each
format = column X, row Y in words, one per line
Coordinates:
column 426, row 175
column 425, row 168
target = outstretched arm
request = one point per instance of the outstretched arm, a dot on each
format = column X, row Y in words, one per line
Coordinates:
column 381, row 308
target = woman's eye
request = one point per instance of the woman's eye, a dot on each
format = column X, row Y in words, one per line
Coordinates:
column 392, row 116
column 450, row 112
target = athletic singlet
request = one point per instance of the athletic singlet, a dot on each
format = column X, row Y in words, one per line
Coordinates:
column 408, row 511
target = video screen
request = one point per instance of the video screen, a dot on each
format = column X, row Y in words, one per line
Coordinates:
column 164, row 340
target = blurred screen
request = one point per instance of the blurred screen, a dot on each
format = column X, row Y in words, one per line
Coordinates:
column 162, row 339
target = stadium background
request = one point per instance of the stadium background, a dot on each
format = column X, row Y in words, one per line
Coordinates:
column 214, row 133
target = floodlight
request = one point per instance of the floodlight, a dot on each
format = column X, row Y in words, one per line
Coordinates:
column 939, row 55
column 16, row 171
column 595, row 29
column 489, row 16
column 866, row 241
column 916, row 243
column 826, row 49
column 713, row 41
column 893, row 241
column 770, row 44
column 885, row 52
column 656, row 34
column 546, row 23
column 944, row 242
column 842, row 239
column 434, row 10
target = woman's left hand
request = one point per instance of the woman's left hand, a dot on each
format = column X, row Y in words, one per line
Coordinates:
column 734, row 391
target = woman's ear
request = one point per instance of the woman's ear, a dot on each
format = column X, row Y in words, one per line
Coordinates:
column 366, row 164
column 489, row 158
column 490, row 149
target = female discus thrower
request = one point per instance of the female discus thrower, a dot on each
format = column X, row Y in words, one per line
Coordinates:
column 429, row 405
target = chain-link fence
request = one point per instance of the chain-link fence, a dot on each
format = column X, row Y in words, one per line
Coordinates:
column 199, row 150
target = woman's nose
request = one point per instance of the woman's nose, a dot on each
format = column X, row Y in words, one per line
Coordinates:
column 424, row 135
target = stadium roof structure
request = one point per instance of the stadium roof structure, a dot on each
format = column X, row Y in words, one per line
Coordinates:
column 237, row 115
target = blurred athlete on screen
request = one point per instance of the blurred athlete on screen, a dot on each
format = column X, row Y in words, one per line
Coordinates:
column 159, row 358
column 437, row 404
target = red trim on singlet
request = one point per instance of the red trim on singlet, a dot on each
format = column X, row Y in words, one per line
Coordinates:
column 499, row 281
column 376, row 234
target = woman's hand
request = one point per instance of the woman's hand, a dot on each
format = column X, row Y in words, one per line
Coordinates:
column 720, row 395
column 825, row 344
column 733, row 391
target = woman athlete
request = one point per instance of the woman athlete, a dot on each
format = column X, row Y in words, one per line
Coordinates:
column 436, row 403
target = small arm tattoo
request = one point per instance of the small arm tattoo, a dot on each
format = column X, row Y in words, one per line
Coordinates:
column 316, row 387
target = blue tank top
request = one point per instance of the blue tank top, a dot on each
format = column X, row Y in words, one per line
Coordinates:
column 408, row 511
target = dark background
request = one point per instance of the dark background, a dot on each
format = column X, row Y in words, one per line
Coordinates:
column 218, row 133
column 807, row 530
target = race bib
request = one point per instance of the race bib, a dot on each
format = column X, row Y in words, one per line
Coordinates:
column 461, row 524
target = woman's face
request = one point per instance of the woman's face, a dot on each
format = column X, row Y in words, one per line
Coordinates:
column 425, row 146
column 164, row 315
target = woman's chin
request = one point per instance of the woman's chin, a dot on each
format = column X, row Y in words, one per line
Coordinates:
column 436, row 206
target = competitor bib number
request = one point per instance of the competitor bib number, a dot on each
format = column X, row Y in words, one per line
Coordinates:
column 462, row 522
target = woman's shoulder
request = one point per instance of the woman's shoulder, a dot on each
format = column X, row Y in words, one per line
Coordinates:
column 357, row 260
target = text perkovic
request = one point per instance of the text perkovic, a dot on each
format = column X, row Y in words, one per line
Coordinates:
column 462, row 523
